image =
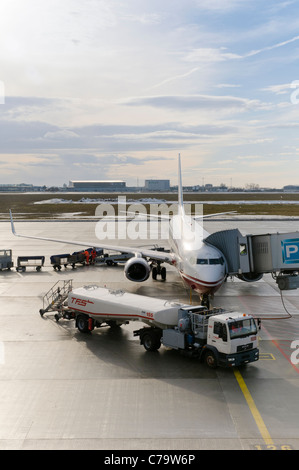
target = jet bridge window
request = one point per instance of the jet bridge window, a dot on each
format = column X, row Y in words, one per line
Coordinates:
column 243, row 249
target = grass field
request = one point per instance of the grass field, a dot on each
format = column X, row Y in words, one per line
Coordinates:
column 24, row 205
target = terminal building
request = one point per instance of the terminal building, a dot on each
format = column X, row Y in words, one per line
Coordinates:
column 97, row 185
column 157, row 185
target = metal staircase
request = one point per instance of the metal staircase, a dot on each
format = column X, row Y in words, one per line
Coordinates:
column 54, row 299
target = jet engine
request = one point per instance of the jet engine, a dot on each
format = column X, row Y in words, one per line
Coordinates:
column 137, row 269
column 250, row 277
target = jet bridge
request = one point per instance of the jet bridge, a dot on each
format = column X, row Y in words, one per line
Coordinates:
column 249, row 257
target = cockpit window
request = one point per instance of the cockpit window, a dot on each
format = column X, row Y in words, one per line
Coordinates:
column 210, row 260
column 216, row 260
column 202, row 261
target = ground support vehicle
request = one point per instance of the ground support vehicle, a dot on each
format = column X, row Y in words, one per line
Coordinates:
column 36, row 262
column 112, row 259
column 6, row 261
column 215, row 336
column 59, row 260
column 78, row 257
column 67, row 259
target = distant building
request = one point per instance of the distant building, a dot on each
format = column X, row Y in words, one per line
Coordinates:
column 157, row 185
column 18, row 188
column 291, row 188
column 95, row 185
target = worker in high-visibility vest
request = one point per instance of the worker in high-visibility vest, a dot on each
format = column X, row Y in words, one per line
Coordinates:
column 93, row 255
column 86, row 252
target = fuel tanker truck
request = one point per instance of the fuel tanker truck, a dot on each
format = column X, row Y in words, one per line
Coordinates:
column 217, row 337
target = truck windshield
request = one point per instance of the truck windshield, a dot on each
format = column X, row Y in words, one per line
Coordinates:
column 240, row 328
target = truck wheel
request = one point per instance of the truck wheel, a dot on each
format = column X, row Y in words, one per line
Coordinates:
column 151, row 341
column 82, row 324
column 210, row 359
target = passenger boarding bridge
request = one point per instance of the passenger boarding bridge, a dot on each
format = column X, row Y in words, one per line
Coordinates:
column 249, row 257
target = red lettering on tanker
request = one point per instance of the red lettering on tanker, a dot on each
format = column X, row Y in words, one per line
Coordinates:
column 81, row 302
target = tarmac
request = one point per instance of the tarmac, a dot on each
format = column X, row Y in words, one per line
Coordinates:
column 61, row 389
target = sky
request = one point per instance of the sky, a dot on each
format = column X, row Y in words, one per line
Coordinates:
column 106, row 89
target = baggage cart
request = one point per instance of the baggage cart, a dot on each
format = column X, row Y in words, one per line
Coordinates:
column 59, row 260
column 77, row 257
column 30, row 261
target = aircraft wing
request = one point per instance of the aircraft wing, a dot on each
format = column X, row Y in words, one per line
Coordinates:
column 147, row 253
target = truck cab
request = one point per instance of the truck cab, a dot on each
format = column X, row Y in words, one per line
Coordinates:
column 219, row 338
column 232, row 337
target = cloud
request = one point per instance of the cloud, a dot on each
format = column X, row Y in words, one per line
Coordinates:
column 227, row 85
column 220, row 5
column 61, row 135
column 185, row 102
column 205, row 54
column 281, row 89
column 270, row 48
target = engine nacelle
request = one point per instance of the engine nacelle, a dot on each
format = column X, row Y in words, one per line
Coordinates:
column 250, row 277
column 137, row 269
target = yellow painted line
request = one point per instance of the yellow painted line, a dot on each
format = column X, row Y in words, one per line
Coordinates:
column 254, row 411
column 267, row 357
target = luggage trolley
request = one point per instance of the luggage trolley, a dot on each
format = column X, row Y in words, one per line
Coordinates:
column 77, row 257
column 59, row 260
column 34, row 261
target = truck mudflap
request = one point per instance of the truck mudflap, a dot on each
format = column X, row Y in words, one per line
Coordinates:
column 240, row 358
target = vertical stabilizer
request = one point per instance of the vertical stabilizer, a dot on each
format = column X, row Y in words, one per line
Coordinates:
column 180, row 187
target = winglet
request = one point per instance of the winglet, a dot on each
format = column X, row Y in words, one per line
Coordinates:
column 12, row 223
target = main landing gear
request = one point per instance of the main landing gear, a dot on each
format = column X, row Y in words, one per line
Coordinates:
column 157, row 270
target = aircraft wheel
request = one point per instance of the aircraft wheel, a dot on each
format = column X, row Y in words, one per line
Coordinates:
column 163, row 273
column 154, row 273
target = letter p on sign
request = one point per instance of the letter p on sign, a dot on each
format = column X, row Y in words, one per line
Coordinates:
column 291, row 250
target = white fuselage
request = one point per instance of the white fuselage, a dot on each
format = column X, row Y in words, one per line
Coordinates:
column 202, row 267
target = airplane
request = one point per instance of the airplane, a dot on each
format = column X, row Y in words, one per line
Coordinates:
column 202, row 267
